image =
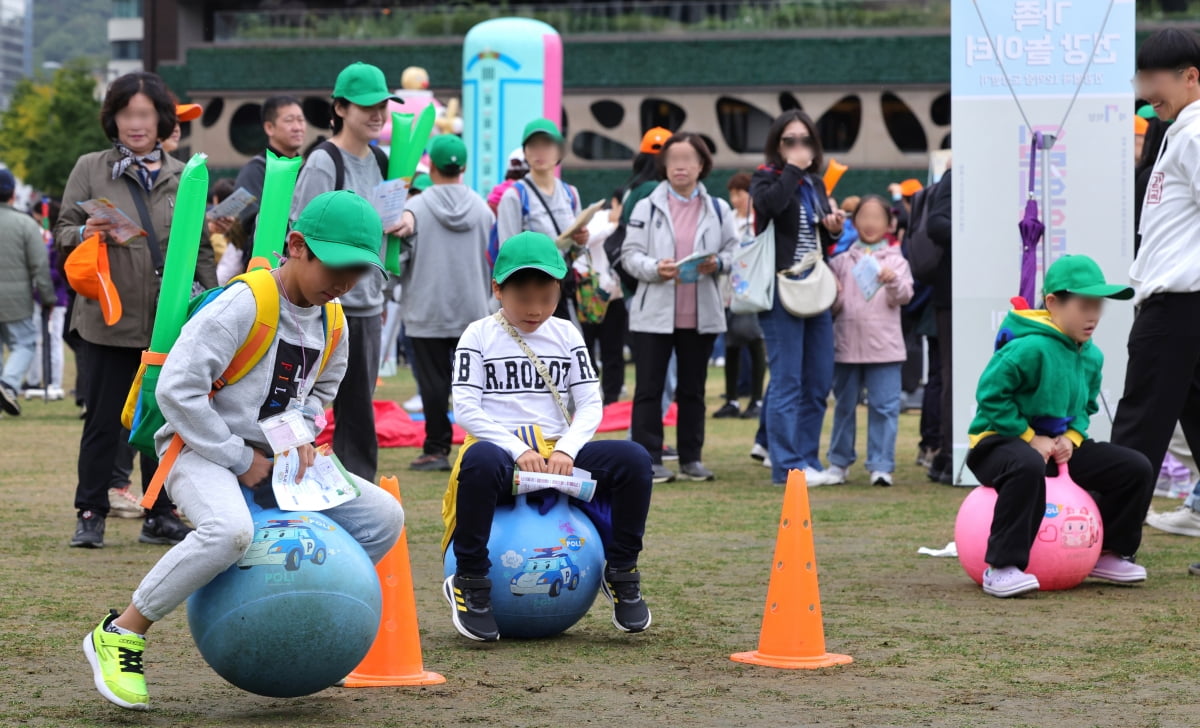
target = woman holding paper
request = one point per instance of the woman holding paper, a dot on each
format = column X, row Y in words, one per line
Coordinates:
column 788, row 191
column 140, row 181
column 874, row 282
column 678, row 241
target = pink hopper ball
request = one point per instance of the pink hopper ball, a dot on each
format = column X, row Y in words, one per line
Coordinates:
column 1067, row 545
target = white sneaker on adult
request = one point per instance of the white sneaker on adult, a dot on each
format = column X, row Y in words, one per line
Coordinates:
column 1118, row 570
column 881, row 478
column 758, row 452
column 1009, row 581
column 816, row 478
column 766, row 461
column 836, row 475
column 1182, row 521
column 414, row 404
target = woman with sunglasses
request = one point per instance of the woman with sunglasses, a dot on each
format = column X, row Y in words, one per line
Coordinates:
column 789, row 192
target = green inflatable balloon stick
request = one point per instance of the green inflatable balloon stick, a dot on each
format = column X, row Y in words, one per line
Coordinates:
column 179, row 270
column 275, row 209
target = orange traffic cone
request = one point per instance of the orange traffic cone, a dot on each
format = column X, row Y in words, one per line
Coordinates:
column 395, row 658
column 793, row 636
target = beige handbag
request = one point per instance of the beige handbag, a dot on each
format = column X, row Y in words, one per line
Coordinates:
column 805, row 297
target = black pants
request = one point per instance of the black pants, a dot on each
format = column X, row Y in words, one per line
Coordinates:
column 945, row 344
column 1121, row 480
column 914, row 363
column 692, row 350
column 618, row 510
column 610, row 333
column 1162, row 378
column 110, row 373
column 354, row 439
column 931, row 402
column 758, row 369
column 434, row 367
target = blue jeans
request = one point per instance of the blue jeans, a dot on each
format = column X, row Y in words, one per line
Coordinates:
column 800, row 359
column 21, row 338
column 1193, row 500
column 882, row 382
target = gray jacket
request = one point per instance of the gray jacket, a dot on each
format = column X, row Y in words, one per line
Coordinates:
column 649, row 238
column 23, row 265
column 447, row 279
column 131, row 265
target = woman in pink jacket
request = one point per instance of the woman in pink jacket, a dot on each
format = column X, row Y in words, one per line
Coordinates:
column 875, row 282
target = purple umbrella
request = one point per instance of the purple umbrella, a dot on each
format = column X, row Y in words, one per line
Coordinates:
column 1031, row 230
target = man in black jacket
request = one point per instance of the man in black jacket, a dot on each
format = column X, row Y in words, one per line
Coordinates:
column 938, row 227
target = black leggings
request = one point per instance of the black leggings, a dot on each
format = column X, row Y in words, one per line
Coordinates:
column 758, row 369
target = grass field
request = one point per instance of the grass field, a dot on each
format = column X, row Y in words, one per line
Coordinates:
column 930, row 649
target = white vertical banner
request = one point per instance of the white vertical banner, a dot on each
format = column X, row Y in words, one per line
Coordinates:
column 1062, row 68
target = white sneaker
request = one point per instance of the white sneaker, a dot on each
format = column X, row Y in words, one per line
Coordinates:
column 817, row 478
column 123, row 504
column 414, row 404
column 1118, row 570
column 882, row 479
column 758, row 452
column 54, row 394
column 1182, row 521
column 767, row 462
column 836, row 475
column 1009, row 582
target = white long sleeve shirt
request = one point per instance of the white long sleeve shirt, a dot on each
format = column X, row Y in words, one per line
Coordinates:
column 1169, row 259
column 497, row 389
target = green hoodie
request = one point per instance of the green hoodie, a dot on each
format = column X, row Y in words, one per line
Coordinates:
column 1039, row 382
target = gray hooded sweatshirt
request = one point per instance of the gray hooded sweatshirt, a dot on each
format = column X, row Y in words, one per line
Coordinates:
column 447, row 280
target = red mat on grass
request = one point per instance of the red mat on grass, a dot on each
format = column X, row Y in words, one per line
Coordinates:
column 395, row 428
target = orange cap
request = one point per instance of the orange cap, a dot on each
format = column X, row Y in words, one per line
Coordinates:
column 88, row 273
column 1140, row 126
column 910, row 187
column 653, row 140
column 188, row 112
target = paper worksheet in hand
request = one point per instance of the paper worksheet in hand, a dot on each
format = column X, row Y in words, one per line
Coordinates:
column 325, row 484
column 389, row 198
column 866, row 275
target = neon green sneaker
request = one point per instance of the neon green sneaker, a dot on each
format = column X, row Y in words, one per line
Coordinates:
column 116, row 661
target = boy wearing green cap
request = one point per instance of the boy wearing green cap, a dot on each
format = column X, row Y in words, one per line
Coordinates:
column 332, row 246
column 446, row 234
column 540, row 202
column 1035, row 401
column 351, row 160
column 514, row 374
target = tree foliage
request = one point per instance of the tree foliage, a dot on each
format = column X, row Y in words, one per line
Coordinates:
column 49, row 125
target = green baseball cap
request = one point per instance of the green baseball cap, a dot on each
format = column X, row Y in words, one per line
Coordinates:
column 1147, row 112
column 529, row 250
column 541, row 126
column 363, row 84
column 448, row 151
column 1081, row 275
column 342, row 230
column 421, row 182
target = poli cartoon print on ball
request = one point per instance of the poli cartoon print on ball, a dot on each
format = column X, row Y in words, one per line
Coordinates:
column 546, row 566
column 296, row 614
column 1068, row 542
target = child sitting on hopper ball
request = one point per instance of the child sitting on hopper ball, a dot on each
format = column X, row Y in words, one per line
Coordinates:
column 513, row 424
column 334, row 242
column 1035, row 400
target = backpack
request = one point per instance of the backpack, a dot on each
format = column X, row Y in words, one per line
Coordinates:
column 141, row 414
column 339, row 164
column 493, row 246
column 615, row 242
column 924, row 256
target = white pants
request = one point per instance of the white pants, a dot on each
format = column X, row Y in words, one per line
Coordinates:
column 211, row 497
column 34, row 375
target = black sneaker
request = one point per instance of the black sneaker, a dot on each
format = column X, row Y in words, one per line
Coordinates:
column 753, row 412
column 623, row 589
column 89, row 531
column 164, row 529
column 470, row 600
column 696, row 472
column 9, row 400
column 430, row 463
column 728, row 411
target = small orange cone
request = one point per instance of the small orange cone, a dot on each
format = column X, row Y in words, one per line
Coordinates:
column 395, row 658
column 793, row 636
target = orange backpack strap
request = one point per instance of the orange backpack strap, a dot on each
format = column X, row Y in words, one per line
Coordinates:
column 160, row 473
column 335, row 324
column 262, row 332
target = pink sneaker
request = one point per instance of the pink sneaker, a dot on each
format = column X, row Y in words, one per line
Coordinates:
column 1009, row 581
column 1118, row 570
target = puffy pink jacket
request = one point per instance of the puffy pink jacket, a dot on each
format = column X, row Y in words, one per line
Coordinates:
column 868, row 332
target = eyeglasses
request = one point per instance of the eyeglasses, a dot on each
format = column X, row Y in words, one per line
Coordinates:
column 791, row 141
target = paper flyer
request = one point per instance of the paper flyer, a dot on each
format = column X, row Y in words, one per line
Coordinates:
column 388, row 198
column 234, row 205
column 124, row 228
column 326, row 484
column 866, row 274
column 578, row 485
column 689, row 267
